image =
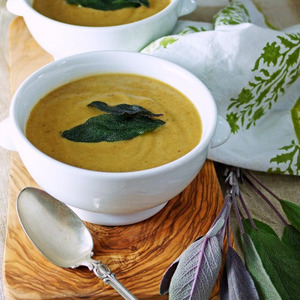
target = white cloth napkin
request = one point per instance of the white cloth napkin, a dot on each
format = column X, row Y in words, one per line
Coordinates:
column 253, row 73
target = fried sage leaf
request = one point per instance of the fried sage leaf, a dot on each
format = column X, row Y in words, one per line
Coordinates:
column 124, row 109
column 111, row 128
column 109, row 4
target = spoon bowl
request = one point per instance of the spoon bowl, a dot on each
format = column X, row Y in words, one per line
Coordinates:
column 60, row 235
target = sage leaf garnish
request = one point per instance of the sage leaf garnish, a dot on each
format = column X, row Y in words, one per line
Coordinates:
column 111, row 128
column 124, row 109
column 109, row 4
column 236, row 282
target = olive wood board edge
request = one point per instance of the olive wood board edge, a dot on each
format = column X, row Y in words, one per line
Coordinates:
column 139, row 254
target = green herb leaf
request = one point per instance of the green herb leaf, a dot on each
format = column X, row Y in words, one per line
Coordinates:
column 254, row 264
column 124, row 109
column 260, row 225
column 292, row 212
column 111, row 128
column 291, row 238
column 278, row 261
column 109, row 4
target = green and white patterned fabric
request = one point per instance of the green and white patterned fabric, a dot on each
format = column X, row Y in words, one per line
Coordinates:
column 253, row 72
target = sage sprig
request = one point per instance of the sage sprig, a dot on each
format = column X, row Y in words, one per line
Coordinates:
column 272, row 271
column 291, row 210
column 236, row 281
column 109, row 4
column 122, row 122
column 271, row 264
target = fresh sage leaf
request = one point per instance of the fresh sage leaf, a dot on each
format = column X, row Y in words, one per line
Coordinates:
column 260, row 225
column 278, row 261
column 167, row 277
column 111, row 128
column 124, row 109
column 109, row 4
column 254, row 264
column 291, row 238
column 236, row 281
column 194, row 273
column 292, row 211
column 194, row 277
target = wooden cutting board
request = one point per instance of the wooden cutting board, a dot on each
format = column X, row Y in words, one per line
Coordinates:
column 139, row 254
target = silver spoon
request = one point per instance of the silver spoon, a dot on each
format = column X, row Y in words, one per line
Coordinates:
column 61, row 236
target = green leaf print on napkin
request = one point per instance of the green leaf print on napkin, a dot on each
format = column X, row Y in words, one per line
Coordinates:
column 233, row 14
column 163, row 42
column 290, row 154
column 191, row 29
column 276, row 69
column 167, row 41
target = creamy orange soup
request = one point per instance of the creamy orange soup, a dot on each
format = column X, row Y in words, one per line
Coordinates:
column 66, row 107
column 61, row 11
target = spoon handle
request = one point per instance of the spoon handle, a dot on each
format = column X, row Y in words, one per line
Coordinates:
column 102, row 271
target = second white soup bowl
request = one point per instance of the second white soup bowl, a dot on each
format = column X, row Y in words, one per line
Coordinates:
column 62, row 39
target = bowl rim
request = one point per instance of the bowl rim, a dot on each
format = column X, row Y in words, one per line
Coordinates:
column 17, row 128
column 144, row 21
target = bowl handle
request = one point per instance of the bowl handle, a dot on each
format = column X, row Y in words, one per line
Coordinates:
column 15, row 7
column 5, row 135
column 186, row 7
column 222, row 133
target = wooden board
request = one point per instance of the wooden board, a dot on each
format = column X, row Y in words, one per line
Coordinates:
column 139, row 254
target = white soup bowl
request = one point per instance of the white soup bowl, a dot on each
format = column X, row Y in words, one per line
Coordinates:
column 110, row 198
column 62, row 39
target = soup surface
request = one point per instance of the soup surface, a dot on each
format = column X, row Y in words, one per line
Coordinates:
column 61, row 11
column 66, row 107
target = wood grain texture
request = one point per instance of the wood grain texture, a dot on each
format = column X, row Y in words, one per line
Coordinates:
column 139, row 254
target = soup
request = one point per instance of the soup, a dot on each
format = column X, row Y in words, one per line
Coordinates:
column 61, row 11
column 67, row 107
